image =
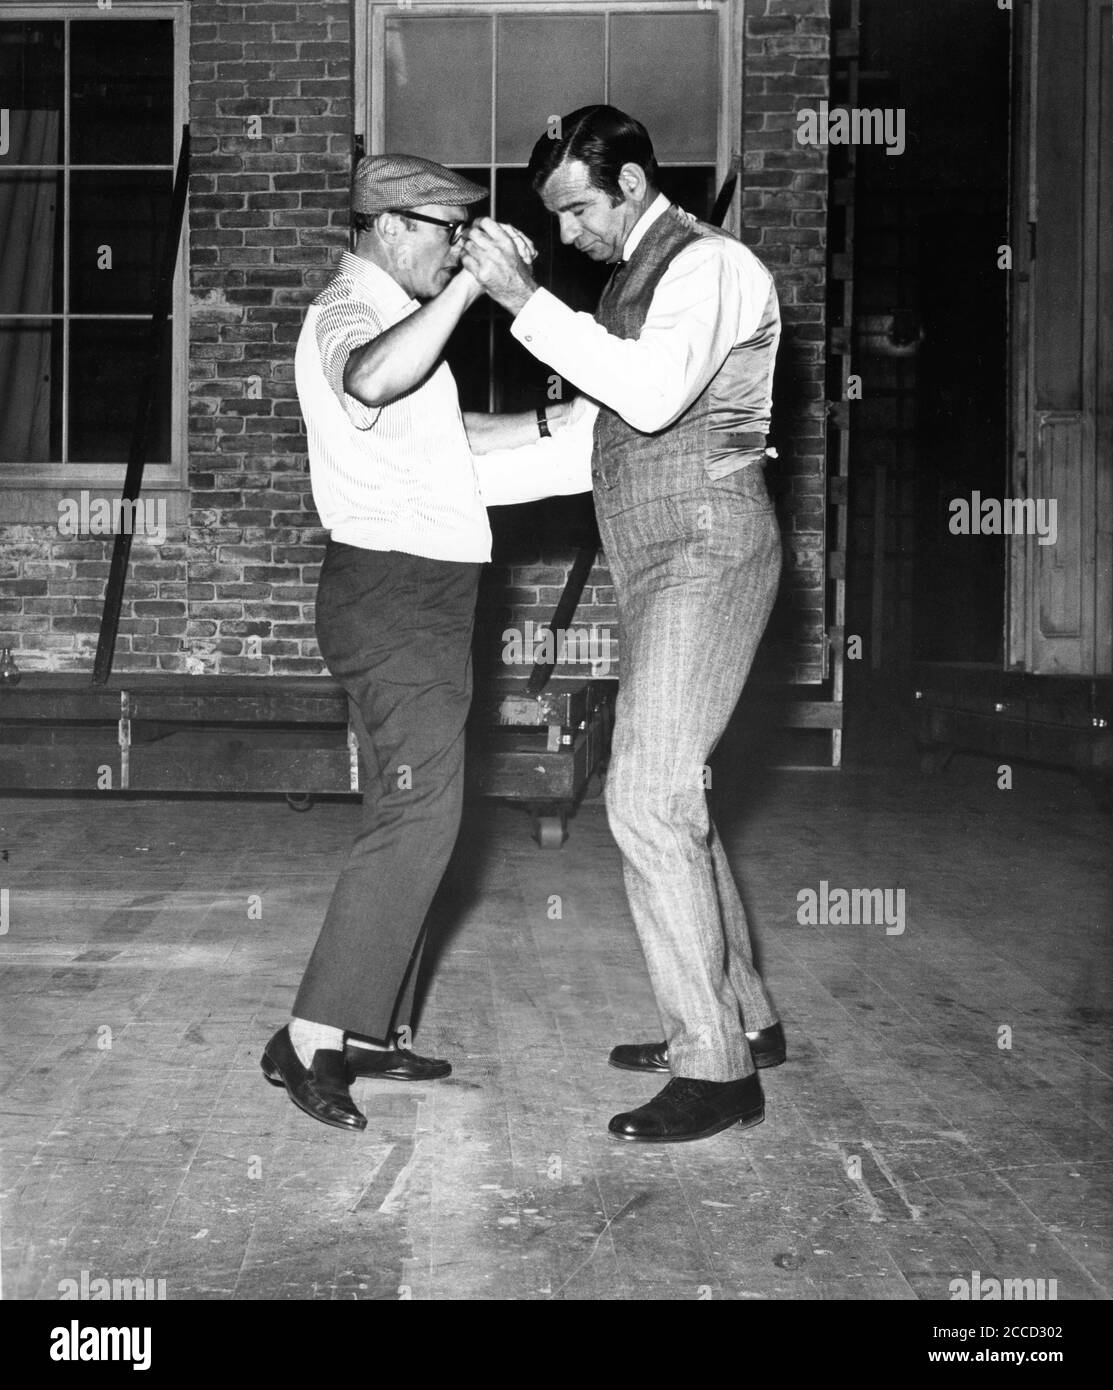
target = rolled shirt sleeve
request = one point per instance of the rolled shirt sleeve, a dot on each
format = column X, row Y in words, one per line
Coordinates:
column 338, row 336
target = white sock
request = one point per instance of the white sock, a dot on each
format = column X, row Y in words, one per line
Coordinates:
column 366, row 1045
column 308, row 1038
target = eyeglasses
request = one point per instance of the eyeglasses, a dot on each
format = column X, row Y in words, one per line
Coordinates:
column 455, row 229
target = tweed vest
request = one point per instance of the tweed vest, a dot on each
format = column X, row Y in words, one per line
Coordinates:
column 725, row 426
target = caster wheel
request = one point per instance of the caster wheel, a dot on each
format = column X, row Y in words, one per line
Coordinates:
column 299, row 801
column 549, row 831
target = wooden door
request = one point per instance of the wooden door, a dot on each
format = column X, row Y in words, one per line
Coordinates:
column 1060, row 617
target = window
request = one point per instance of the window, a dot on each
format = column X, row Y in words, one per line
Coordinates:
column 92, row 112
column 474, row 85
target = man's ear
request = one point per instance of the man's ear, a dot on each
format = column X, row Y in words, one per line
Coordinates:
column 389, row 226
column 632, row 181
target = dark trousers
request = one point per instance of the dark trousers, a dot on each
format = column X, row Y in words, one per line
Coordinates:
column 395, row 630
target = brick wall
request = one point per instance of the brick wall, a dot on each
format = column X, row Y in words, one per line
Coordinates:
column 270, row 106
column 784, row 204
column 270, row 109
column 524, row 584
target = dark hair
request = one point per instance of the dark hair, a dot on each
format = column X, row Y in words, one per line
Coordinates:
column 601, row 137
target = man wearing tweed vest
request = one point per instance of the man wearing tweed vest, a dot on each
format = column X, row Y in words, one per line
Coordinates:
column 678, row 360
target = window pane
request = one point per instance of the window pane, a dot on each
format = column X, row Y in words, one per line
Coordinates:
column 482, row 177
column 693, row 190
column 547, row 67
column 107, row 363
column 122, row 91
column 32, row 77
column 30, row 243
column 117, row 225
column 31, row 389
column 468, row 353
column 438, row 89
column 665, row 71
column 521, row 381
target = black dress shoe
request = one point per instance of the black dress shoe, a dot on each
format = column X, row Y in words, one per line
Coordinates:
column 767, row 1048
column 691, row 1109
column 397, row 1064
column 640, row 1057
column 321, row 1090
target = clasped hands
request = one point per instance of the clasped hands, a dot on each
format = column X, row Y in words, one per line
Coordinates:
column 499, row 257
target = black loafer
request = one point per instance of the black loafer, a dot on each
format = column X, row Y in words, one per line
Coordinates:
column 767, row 1048
column 321, row 1090
column 398, row 1064
column 691, row 1109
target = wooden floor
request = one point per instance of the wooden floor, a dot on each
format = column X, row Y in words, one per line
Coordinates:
column 904, row 1146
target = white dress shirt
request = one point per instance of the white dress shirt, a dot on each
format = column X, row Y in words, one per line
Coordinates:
column 394, row 477
column 710, row 298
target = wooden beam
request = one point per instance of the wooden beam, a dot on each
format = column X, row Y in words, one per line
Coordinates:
column 144, row 417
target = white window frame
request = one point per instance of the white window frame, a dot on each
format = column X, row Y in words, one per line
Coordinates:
column 369, row 66
column 29, row 491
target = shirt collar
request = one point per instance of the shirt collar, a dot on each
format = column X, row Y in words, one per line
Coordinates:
column 659, row 205
column 385, row 289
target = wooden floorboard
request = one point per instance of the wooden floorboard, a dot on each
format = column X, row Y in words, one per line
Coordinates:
column 903, row 1146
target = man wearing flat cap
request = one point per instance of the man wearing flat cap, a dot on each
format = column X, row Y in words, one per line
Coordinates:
column 396, row 486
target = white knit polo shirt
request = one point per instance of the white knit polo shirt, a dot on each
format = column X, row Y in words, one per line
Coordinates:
column 393, row 477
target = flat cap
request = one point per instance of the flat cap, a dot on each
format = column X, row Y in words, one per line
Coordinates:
column 386, row 182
